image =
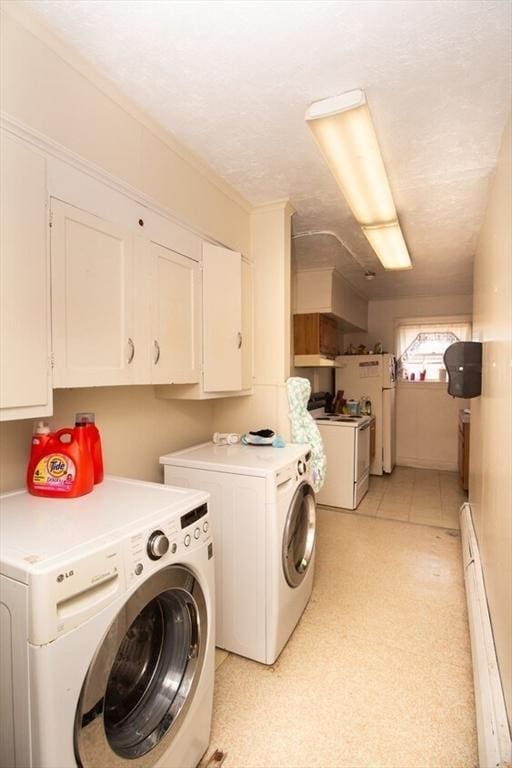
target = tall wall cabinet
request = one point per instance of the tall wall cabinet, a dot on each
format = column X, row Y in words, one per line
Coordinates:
column 25, row 372
column 135, row 297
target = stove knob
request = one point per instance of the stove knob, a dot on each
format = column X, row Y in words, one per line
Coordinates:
column 301, row 467
column 158, row 545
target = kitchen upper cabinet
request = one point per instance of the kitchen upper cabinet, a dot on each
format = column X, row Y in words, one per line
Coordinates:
column 25, row 371
column 93, row 329
column 315, row 335
column 326, row 291
column 227, row 328
column 222, row 319
column 176, row 317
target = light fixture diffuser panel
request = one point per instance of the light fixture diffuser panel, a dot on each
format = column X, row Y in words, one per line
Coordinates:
column 344, row 130
column 336, row 104
column 389, row 245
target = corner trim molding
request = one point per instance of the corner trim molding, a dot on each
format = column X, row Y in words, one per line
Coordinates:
column 275, row 205
column 494, row 740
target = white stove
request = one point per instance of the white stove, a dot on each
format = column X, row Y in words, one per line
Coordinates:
column 348, row 458
column 340, row 419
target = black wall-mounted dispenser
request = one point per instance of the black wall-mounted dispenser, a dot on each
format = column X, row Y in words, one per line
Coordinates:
column 463, row 361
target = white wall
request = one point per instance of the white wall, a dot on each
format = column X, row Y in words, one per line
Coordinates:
column 50, row 89
column 490, row 482
column 427, row 426
column 426, row 416
column 383, row 314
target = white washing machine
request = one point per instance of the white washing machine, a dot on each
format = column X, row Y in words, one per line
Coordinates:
column 264, row 525
column 107, row 628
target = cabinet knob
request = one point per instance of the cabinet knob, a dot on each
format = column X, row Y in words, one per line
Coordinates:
column 131, row 351
column 239, row 340
column 157, row 352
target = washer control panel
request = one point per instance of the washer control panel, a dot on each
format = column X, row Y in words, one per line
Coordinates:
column 150, row 549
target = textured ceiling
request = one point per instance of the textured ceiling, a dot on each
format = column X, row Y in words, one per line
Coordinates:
column 232, row 80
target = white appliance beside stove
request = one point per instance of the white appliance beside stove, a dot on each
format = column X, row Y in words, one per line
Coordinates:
column 347, row 446
column 373, row 377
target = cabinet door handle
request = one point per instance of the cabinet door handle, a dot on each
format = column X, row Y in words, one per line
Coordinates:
column 157, row 352
column 131, row 353
column 239, row 340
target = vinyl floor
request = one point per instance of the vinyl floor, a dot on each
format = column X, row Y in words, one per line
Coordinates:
column 378, row 671
column 421, row 496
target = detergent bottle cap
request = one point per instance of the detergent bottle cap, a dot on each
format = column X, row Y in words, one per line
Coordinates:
column 84, row 418
column 41, row 428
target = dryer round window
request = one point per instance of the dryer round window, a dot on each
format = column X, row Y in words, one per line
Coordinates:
column 142, row 679
column 299, row 535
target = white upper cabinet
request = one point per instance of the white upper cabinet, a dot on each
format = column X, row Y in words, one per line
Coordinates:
column 93, row 328
column 176, row 317
column 247, row 325
column 325, row 291
column 222, row 319
column 227, row 329
column 25, row 372
column 135, row 297
column 125, row 310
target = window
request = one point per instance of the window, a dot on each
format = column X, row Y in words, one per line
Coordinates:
column 421, row 344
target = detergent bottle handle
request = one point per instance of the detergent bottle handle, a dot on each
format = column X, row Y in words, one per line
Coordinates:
column 65, row 431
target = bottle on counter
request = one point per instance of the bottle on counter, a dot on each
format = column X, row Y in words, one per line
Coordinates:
column 86, row 422
column 60, row 464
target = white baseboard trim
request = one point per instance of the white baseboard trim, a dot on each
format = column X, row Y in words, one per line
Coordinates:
column 446, row 466
column 494, row 742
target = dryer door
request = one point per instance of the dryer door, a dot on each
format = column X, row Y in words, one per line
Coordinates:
column 299, row 535
column 143, row 676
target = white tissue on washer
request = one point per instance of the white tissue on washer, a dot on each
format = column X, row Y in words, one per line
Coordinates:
column 225, row 438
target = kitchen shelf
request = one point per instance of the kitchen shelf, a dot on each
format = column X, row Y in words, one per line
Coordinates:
column 314, row 361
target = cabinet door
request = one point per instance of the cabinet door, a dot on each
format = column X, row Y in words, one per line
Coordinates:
column 25, row 374
column 92, row 302
column 222, row 319
column 328, row 336
column 247, row 325
column 176, row 317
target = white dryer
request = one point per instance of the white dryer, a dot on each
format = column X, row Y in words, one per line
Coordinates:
column 264, row 527
column 107, row 628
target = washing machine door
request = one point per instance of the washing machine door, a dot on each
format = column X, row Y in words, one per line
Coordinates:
column 143, row 676
column 299, row 535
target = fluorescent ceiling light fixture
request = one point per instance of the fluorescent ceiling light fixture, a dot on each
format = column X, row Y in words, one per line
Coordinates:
column 344, row 131
column 389, row 245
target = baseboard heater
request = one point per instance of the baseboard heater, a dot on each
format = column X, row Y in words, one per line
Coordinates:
column 494, row 742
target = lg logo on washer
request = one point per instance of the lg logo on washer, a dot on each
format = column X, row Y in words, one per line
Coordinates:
column 63, row 576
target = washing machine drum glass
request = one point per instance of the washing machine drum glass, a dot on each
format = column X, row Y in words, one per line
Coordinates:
column 144, row 675
column 299, row 535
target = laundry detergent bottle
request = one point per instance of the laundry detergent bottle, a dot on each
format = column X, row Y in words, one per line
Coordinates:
column 60, row 465
column 40, row 439
column 86, row 422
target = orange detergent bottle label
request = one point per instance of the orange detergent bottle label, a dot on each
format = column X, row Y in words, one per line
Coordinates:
column 55, row 472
